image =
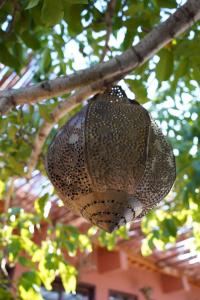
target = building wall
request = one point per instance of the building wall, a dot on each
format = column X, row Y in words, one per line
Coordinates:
column 110, row 271
column 132, row 280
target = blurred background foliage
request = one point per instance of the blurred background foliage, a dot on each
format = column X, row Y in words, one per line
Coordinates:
column 58, row 38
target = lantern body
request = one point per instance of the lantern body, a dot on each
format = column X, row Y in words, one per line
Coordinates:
column 110, row 162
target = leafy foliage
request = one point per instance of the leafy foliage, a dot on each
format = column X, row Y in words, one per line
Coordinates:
column 58, row 38
column 18, row 244
column 182, row 210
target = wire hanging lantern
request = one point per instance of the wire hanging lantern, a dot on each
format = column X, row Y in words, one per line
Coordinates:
column 110, row 162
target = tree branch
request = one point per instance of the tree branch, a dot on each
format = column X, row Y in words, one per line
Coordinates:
column 177, row 23
column 9, row 194
column 109, row 22
column 60, row 111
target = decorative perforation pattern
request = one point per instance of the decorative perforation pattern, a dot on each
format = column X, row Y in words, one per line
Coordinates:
column 111, row 162
column 65, row 161
column 116, row 141
column 160, row 172
column 107, row 211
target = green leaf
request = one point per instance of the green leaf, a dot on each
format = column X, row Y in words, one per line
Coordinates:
column 122, row 232
column 128, row 40
column 2, row 188
column 24, row 261
column 165, row 66
column 73, row 19
column 16, row 165
column 183, row 68
column 18, row 51
column 12, row 130
column 51, row 261
column 167, row 4
column 46, row 60
column 15, row 211
column 186, row 199
column 5, row 294
column 14, row 248
column 138, row 89
column 196, row 73
column 107, row 239
column 30, row 40
column 72, row 2
column 62, row 67
column 29, row 246
column 68, row 276
column 52, row 12
column 47, row 275
column 32, row 3
column 85, row 243
column 145, row 248
column 133, row 9
column 170, row 227
column 29, row 286
column 8, row 59
column 45, row 112
column 41, row 205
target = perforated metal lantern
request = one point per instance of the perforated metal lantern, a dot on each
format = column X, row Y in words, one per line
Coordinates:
column 110, row 162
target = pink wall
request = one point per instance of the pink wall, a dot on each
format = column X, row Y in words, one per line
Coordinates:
column 112, row 272
column 131, row 281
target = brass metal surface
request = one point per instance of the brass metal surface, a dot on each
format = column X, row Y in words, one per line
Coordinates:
column 111, row 162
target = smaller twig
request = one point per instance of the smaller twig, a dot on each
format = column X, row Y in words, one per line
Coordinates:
column 9, row 195
column 109, row 22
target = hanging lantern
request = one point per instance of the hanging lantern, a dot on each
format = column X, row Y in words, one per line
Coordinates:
column 110, row 162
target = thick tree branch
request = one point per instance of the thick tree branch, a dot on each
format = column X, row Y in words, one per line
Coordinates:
column 182, row 19
column 60, row 111
column 109, row 22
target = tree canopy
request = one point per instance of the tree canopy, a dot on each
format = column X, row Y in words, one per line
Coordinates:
column 45, row 39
